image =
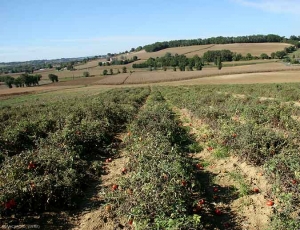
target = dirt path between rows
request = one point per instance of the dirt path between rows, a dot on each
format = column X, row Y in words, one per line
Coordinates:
column 95, row 214
column 231, row 179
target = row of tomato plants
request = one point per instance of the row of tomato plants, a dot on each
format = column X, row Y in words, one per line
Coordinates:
column 53, row 170
column 263, row 133
column 162, row 188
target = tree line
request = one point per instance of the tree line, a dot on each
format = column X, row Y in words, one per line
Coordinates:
column 21, row 81
column 294, row 40
column 216, row 56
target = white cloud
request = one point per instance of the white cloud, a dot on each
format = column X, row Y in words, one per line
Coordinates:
column 276, row 6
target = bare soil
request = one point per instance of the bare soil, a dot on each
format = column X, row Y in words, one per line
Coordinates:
column 240, row 212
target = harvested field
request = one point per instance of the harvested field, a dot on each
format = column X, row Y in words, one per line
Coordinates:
column 255, row 49
column 160, row 76
column 114, row 79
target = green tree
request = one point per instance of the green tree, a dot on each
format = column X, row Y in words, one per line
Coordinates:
column 111, row 71
column 86, row 74
column 124, row 69
column 100, row 63
column 105, row 72
column 264, row 56
column 219, row 63
column 52, row 77
column 273, row 55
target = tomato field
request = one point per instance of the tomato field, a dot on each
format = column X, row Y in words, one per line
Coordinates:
column 198, row 157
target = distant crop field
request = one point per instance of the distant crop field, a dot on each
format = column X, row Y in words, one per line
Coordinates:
column 255, row 49
column 170, row 75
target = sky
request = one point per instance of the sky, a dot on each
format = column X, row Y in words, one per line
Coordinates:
column 40, row 29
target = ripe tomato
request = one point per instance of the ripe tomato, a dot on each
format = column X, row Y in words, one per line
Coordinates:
column 115, row 187
column 109, row 159
column 199, row 166
column 270, row 203
column 124, row 170
column 294, row 182
column 234, row 135
column 202, row 201
column 256, row 190
column 31, row 165
column 210, row 148
column 216, row 189
column 184, row 183
column 218, row 212
column 130, row 221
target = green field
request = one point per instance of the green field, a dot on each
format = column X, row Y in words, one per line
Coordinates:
column 184, row 157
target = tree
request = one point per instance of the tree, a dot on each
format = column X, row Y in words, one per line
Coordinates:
column 135, row 58
column 49, row 66
column 105, row 72
column 249, row 56
column 219, row 63
column 86, row 74
column 124, row 69
column 52, row 77
column 100, row 63
column 111, row 71
column 165, row 68
column 280, row 54
column 9, row 81
column 273, row 55
column 264, row 56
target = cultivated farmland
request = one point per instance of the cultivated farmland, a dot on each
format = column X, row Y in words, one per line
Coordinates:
column 255, row 49
column 114, row 152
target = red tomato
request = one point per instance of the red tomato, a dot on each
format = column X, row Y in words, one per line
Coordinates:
column 109, row 159
column 130, row 221
column 234, row 135
column 210, row 148
column 270, row 203
column 115, row 187
column 124, row 170
column 199, row 166
column 256, row 190
column 31, row 165
column 12, row 203
column 294, row 181
column 216, row 190
column 202, row 201
column 218, row 212
column 184, row 183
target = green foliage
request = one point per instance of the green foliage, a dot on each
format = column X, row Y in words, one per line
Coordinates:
column 53, row 77
column 48, row 149
column 105, row 72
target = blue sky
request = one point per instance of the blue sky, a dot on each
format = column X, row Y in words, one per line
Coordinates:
column 39, row 29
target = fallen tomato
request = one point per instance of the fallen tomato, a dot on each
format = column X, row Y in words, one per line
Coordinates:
column 115, row 187
column 256, row 190
column 130, row 221
column 270, row 203
column 184, row 183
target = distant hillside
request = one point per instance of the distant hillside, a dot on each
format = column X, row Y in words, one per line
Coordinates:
column 222, row 40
